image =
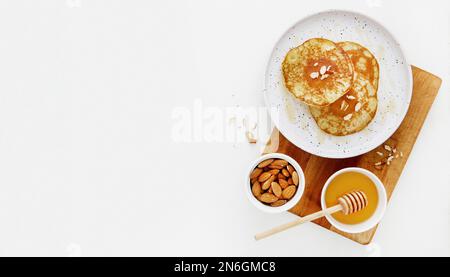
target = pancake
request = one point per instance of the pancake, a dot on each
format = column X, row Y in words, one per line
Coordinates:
column 318, row 72
column 364, row 62
column 357, row 108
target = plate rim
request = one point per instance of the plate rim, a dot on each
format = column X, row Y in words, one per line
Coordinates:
column 339, row 155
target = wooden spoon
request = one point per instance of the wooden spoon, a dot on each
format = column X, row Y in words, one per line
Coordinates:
column 348, row 203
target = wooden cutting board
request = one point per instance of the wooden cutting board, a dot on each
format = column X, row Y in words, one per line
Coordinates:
column 317, row 170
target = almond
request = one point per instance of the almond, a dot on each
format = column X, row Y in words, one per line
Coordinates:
column 273, row 171
column 281, row 177
column 290, row 181
column 285, row 172
column 255, row 173
column 276, row 189
column 266, row 184
column 348, row 117
column 324, row 76
column 314, row 75
column 268, row 198
column 283, row 183
column 275, row 166
column 290, row 168
column 278, row 203
column 289, row 192
column 281, row 163
column 264, row 176
column 343, row 105
column 256, row 189
column 250, row 137
column 265, row 163
column 295, row 178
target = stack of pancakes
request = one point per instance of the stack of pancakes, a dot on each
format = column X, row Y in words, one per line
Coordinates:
column 338, row 81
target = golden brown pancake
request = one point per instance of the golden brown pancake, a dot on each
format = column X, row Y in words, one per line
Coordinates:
column 364, row 62
column 318, row 72
column 356, row 109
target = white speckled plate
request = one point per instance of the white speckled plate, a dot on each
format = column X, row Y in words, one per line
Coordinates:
column 293, row 118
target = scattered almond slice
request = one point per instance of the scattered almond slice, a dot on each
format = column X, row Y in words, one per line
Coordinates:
column 401, row 154
column 380, row 154
column 351, row 97
column 348, row 117
column 358, row 107
column 343, row 104
column 250, row 138
column 378, row 164
column 314, row 75
column 328, row 68
column 389, row 160
column 388, row 148
column 316, row 64
column 324, row 76
column 323, row 70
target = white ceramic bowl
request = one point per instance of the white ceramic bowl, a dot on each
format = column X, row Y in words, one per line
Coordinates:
column 377, row 215
column 294, row 200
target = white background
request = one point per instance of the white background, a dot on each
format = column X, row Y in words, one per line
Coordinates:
column 88, row 163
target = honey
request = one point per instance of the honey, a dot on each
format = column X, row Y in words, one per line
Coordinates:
column 348, row 182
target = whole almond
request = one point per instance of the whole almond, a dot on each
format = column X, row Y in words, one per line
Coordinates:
column 283, row 183
column 278, row 203
column 273, row 171
column 268, row 198
column 268, row 182
column 290, row 181
column 281, row 176
column 256, row 189
column 264, row 176
column 290, row 168
column 276, row 189
column 295, row 178
column 265, row 163
column 281, row 163
column 255, row 173
column 285, row 172
column 275, row 166
column 289, row 192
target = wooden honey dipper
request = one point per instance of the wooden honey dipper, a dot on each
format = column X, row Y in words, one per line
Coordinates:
column 348, row 203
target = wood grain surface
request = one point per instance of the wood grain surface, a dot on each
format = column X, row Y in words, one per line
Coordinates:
column 317, row 170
